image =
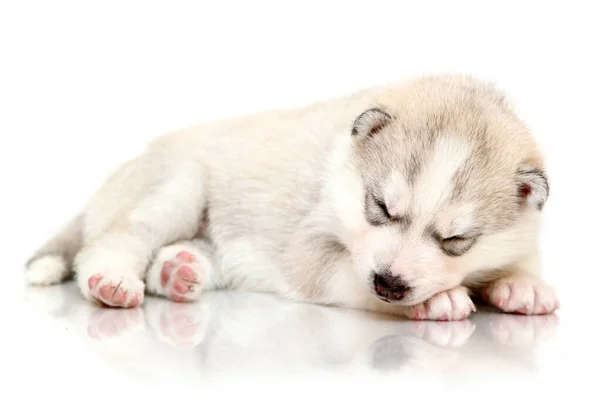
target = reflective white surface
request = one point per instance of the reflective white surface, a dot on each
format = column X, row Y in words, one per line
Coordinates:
column 235, row 339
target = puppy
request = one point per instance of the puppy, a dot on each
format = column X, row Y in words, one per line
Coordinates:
column 406, row 199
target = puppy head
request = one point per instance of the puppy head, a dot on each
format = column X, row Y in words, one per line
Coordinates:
column 437, row 182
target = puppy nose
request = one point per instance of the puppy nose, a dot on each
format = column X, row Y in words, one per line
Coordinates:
column 390, row 287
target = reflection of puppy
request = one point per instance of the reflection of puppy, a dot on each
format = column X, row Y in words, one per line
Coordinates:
column 179, row 325
column 109, row 323
column 240, row 333
column 516, row 330
column 243, row 333
column 116, row 332
column 394, row 199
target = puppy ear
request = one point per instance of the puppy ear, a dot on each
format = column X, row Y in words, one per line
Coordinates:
column 532, row 187
column 370, row 122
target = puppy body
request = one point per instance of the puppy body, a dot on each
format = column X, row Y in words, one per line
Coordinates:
column 393, row 199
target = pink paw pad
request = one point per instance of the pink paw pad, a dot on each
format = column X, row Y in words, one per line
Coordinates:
column 180, row 277
column 107, row 323
column 115, row 293
column 185, row 256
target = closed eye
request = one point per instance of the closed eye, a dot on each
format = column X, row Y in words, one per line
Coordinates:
column 383, row 207
column 376, row 210
column 456, row 245
column 455, row 238
column 379, row 214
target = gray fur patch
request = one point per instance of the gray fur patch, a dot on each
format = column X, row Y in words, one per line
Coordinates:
column 533, row 186
column 477, row 115
column 370, row 122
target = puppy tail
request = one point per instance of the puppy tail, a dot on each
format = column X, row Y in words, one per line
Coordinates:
column 53, row 262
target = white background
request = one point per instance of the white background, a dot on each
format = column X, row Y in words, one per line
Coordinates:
column 84, row 85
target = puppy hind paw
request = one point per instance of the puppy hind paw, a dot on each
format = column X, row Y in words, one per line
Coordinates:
column 115, row 291
column 178, row 273
column 181, row 277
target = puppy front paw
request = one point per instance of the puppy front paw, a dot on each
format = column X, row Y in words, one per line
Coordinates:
column 451, row 305
column 521, row 295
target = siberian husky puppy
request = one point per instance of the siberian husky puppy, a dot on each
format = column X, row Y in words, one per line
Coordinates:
column 406, row 198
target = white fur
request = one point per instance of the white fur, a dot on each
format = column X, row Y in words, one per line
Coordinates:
column 46, row 270
column 456, row 220
column 397, row 194
column 434, row 186
column 344, row 190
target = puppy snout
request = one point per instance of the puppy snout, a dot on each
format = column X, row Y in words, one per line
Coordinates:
column 389, row 287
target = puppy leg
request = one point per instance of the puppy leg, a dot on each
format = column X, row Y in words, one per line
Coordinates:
column 110, row 269
column 151, row 201
column 53, row 262
column 181, row 271
column 521, row 290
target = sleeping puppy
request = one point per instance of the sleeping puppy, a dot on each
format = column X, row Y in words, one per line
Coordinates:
column 407, row 199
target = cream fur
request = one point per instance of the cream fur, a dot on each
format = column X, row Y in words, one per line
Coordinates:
column 284, row 194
